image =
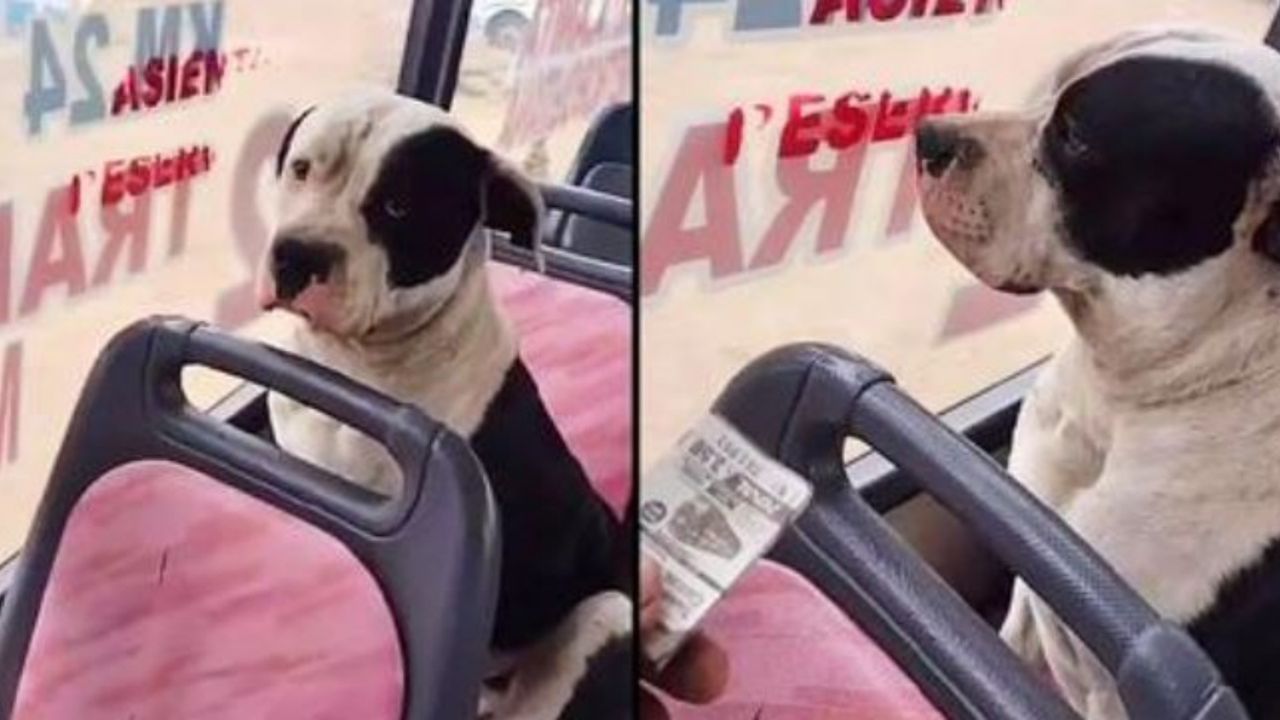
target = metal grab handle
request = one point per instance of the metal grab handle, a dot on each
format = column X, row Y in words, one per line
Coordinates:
column 563, row 264
column 609, row 209
column 828, row 395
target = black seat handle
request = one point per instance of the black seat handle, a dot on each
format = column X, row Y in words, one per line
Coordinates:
column 404, row 431
column 389, row 421
column 800, row 403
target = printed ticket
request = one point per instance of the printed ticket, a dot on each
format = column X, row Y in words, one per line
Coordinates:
column 708, row 510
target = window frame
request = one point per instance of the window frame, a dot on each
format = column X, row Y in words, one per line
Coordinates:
column 429, row 70
column 433, row 47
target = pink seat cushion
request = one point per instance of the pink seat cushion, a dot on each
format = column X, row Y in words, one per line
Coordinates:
column 577, row 344
column 175, row 597
column 794, row 656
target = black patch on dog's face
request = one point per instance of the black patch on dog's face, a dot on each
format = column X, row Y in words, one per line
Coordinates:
column 512, row 210
column 425, row 203
column 1152, row 158
column 285, row 143
column 1266, row 239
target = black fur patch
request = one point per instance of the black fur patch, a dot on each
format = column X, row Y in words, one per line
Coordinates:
column 425, row 203
column 511, row 210
column 1240, row 632
column 1153, row 158
column 607, row 690
column 558, row 537
column 287, row 141
column 1266, row 239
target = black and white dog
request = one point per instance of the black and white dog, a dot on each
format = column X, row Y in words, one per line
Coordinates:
column 380, row 246
column 1142, row 188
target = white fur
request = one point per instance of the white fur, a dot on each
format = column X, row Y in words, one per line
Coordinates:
column 548, row 672
column 451, row 366
column 444, row 346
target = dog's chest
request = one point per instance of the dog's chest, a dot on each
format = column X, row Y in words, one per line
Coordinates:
column 456, row 394
column 333, row 446
column 1176, row 499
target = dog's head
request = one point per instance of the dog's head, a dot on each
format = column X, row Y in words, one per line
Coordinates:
column 1145, row 170
column 380, row 204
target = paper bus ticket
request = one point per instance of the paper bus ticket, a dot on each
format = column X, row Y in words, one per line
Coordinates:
column 708, row 510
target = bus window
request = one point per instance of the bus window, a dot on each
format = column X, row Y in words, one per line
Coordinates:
column 778, row 189
column 139, row 142
column 536, row 76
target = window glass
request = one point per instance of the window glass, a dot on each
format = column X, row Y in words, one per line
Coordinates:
column 755, row 234
column 536, row 73
column 138, row 140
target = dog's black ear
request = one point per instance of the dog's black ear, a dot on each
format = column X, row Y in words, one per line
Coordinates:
column 1266, row 239
column 287, row 141
column 513, row 204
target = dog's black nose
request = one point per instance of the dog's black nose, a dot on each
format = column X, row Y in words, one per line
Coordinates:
column 937, row 147
column 295, row 263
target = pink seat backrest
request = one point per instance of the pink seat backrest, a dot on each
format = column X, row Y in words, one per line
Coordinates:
column 175, row 597
column 794, row 656
column 577, row 344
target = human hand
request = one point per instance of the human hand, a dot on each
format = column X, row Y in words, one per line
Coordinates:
column 699, row 671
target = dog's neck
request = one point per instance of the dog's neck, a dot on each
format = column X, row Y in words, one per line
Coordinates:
column 449, row 360
column 1160, row 353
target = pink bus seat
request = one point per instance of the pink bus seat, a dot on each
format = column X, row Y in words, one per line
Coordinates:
column 176, row 597
column 794, row 656
column 577, row 344
column 182, row 568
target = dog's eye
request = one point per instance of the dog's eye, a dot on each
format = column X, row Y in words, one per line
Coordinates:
column 1073, row 145
column 394, row 208
column 300, row 169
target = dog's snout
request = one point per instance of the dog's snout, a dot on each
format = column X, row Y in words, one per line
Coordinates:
column 938, row 147
column 295, row 263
